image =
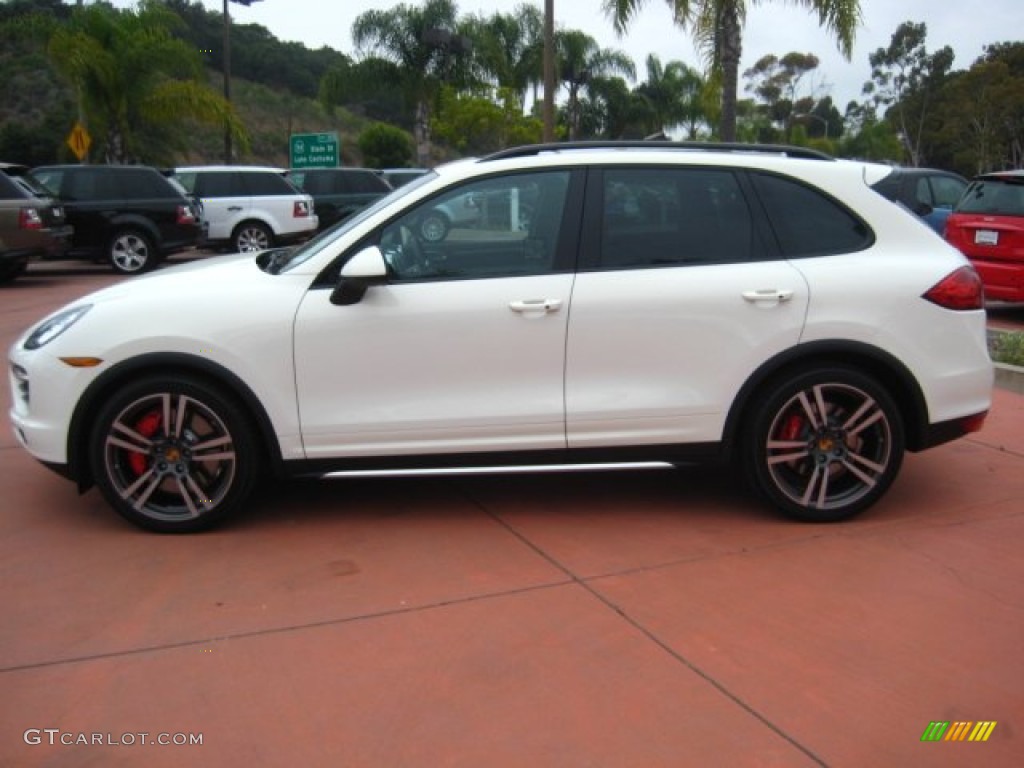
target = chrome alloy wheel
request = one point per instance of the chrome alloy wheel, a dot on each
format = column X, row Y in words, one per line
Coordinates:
column 252, row 237
column 130, row 252
column 169, row 457
column 830, row 446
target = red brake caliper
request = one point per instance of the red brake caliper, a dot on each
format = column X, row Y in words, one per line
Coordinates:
column 147, row 426
column 792, row 427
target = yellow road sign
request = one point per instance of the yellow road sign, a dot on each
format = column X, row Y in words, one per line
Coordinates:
column 79, row 140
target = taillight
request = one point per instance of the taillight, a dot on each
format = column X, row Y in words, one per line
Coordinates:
column 960, row 290
column 29, row 218
column 300, row 209
column 185, row 215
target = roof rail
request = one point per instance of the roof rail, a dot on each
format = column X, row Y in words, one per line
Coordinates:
column 528, row 150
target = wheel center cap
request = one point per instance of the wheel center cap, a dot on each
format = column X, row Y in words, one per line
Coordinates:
column 172, row 454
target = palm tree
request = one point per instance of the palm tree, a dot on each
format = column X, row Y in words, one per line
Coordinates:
column 717, row 26
column 673, row 94
column 509, row 48
column 135, row 80
column 402, row 35
column 581, row 59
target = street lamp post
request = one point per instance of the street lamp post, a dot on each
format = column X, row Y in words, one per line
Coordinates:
column 812, row 116
column 227, row 72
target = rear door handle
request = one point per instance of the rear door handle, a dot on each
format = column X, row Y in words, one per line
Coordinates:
column 233, row 208
column 536, row 305
column 778, row 295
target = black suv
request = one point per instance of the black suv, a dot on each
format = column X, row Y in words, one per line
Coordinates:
column 339, row 192
column 31, row 224
column 128, row 215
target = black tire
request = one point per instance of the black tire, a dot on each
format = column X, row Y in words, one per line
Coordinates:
column 823, row 469
column 251, row 236
column 178, row 480
column 434, row 226
column 10, row 271
column 131, row 252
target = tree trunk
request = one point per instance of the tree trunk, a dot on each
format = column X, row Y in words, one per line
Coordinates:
column 421, row 131
column 115, row 145
column 731, row 49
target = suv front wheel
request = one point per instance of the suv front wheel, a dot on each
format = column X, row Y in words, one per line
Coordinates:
column 131, row 252
column 173, row 453
column 824, row 443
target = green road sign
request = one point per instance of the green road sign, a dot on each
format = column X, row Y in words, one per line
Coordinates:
column 314, row 150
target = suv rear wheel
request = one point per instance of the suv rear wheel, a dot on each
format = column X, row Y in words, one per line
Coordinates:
column 131, row 252
column 252, row 236
column 824, row 443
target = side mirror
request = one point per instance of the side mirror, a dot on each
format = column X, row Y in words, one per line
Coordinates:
column 364, row 269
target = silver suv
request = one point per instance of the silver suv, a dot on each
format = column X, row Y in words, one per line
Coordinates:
column 248, row 208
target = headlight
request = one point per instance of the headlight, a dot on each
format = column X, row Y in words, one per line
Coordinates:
column 55, row 326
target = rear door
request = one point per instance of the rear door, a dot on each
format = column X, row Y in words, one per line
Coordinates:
column 678, row 301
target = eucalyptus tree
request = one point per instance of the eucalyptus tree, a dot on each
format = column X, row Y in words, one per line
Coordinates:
column 135, row 81
column 905, row 80
column 581, row 60
column 717, row 27
column 426, row 44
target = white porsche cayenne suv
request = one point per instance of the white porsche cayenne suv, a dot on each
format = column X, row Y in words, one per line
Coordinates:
column 612, row 302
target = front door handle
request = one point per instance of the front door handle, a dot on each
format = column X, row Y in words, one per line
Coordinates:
column 234, row 208
column 536, row 305
column 777, row 295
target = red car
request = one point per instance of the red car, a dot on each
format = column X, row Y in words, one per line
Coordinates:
column 987, row 225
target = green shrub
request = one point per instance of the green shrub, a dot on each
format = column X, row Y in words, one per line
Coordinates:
column 385, row 146
column 1008, row 347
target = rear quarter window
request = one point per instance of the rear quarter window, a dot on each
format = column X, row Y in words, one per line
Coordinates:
column 806, row 221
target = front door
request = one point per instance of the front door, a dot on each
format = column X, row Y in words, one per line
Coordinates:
column 463, row 349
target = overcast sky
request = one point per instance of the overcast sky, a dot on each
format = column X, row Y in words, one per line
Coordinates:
column 773, row 26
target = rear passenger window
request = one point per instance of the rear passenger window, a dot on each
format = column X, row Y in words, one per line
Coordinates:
column 806, row 221
column 92, row 184
column 217, row 185
column 143, row 184
column 673, row 216
column 266, row 184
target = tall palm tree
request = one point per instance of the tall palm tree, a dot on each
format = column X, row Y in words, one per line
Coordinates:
column 717, row 26
column 134, row 78
column 401, row 35
column 581, row 59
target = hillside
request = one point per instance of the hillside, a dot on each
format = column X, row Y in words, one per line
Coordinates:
column 37, row 109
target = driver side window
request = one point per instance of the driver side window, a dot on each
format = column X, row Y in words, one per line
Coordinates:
column 497, row 227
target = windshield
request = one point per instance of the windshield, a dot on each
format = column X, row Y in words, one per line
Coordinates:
column 285, row 261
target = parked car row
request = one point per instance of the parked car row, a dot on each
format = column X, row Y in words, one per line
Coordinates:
column 983, row 218
column 132, row 217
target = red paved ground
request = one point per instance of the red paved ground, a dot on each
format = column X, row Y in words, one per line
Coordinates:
column 637, row 619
